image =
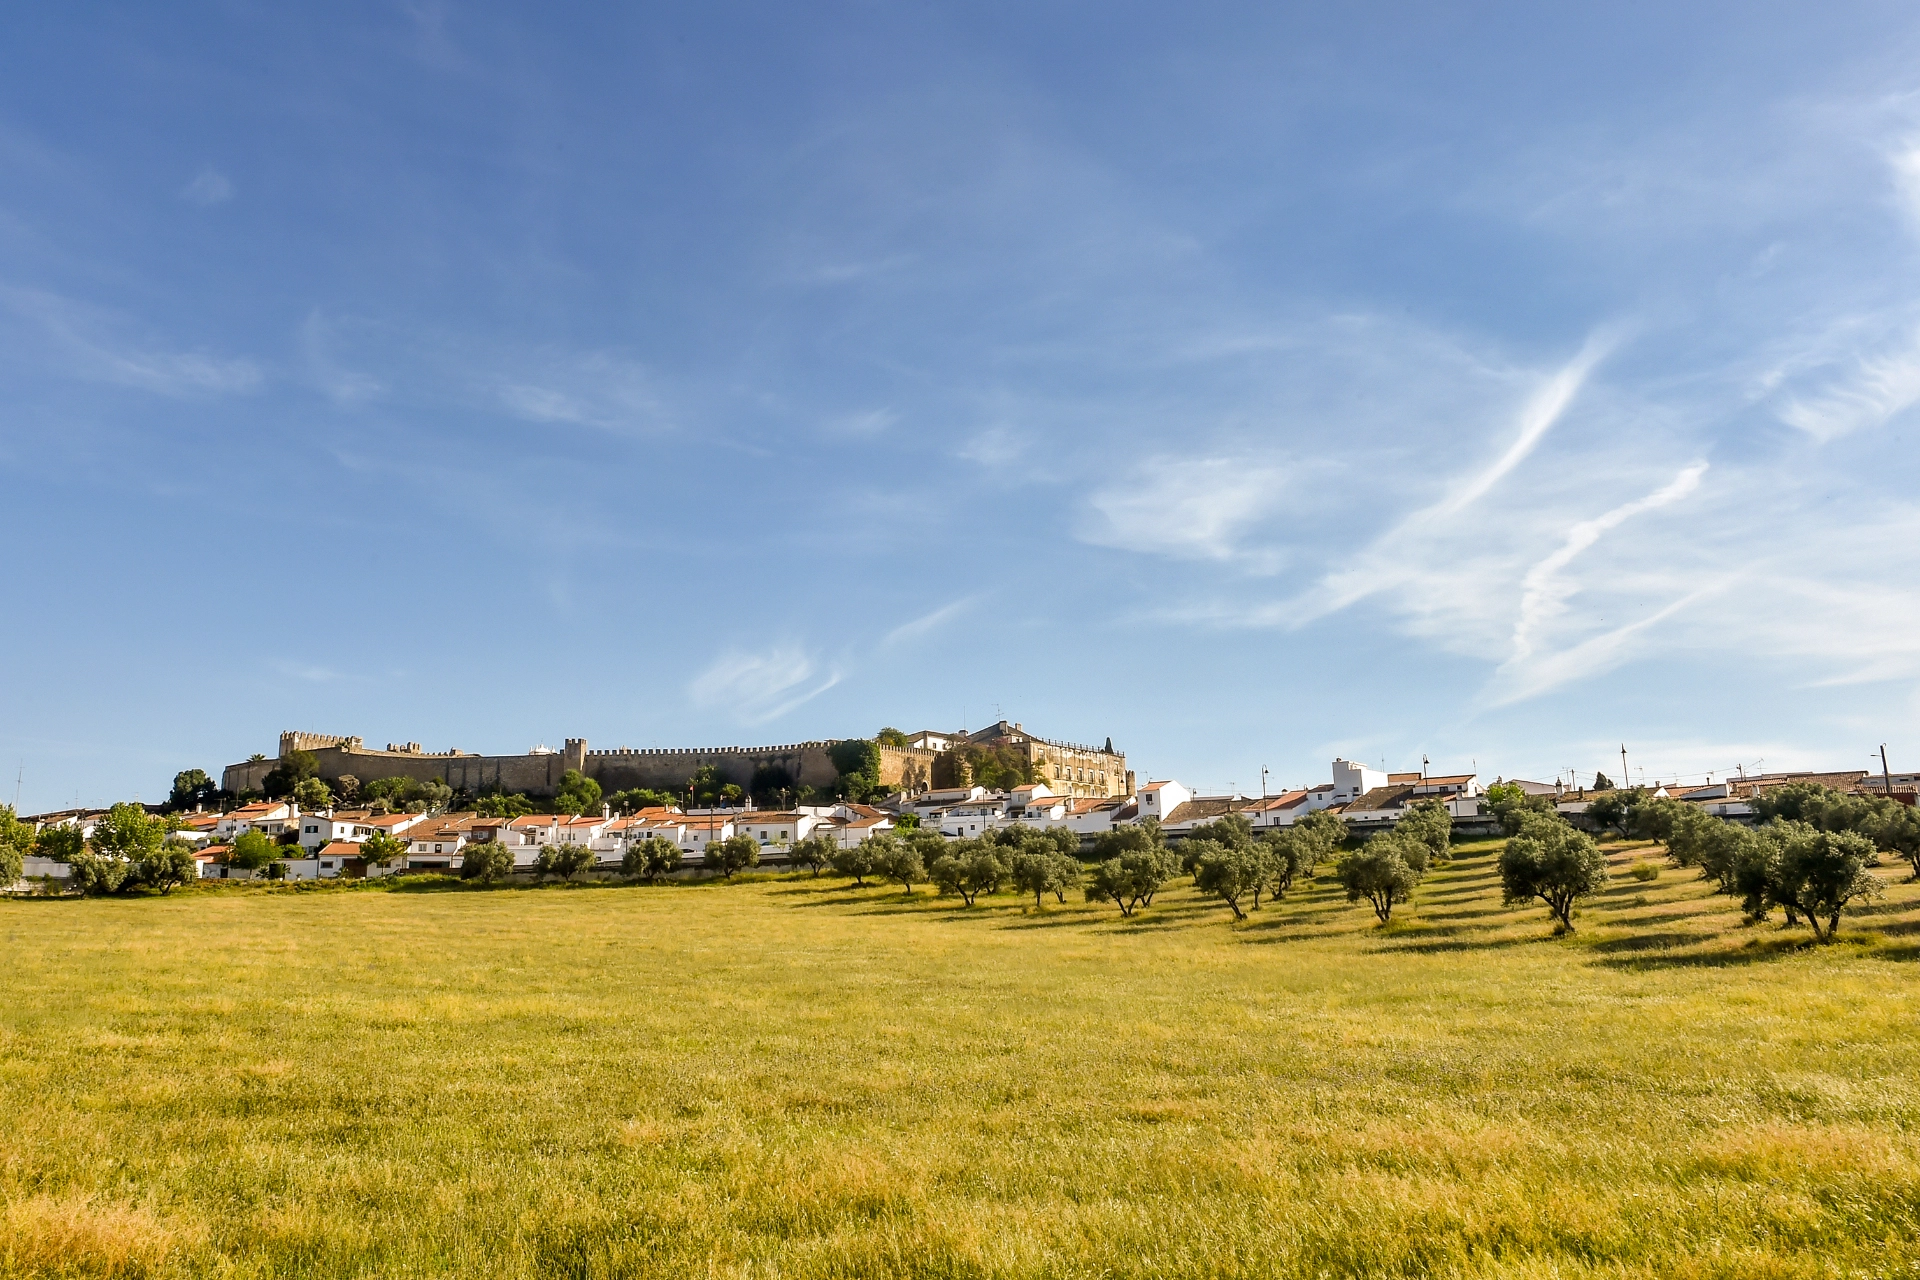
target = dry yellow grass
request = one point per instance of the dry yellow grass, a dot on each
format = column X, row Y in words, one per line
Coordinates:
column 792, row 1078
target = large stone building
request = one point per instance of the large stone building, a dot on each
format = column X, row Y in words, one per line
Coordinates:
column 1068, row 769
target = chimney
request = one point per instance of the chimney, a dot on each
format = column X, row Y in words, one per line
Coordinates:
column 606, row 811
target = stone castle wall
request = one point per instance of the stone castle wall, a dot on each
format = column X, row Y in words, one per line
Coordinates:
column 660, row 769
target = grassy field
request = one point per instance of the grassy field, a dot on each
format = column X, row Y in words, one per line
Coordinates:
column 790, row 1077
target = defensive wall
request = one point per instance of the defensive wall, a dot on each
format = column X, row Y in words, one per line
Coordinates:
column 538, row 773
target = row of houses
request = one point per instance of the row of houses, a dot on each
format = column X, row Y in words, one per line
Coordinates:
column 1368, row 800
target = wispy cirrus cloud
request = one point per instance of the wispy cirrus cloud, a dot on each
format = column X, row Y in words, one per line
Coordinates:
column 928, row 622
column 95, row 346
column 758, row 687
column 1185, row 509
column 209, row 187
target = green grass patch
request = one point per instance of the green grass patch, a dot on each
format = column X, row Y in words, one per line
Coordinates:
column 789, row 1077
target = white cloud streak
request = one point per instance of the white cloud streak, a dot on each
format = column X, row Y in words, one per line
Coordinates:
column 758, row 687
column 928, row 622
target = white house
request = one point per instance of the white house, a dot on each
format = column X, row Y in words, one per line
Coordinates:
column 1097, row 815
column 1158, row 799
column 971, row 817
column 777, row 829
column 1351, row 781
column 270, row 817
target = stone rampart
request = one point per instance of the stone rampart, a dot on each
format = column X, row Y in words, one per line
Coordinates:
column 660, row 769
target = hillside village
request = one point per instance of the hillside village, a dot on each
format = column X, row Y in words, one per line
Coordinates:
column 1083, row 797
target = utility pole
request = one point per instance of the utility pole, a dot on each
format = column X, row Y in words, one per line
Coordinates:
column 1886, row 774
column 1263, row 782
column 1424, row 762
column 1625, row 781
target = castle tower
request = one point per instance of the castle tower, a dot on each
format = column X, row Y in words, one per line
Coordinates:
column 575, row 755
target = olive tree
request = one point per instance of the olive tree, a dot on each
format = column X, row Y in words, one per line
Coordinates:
column 1429, row 822
column 16, row 838
column 168, row 867
column 1130, row 880
column 1380, row 872
column 969, row 870
column 1551, row 861
column 1230, row 873
column 649, row 859
column 735, row 853
column 128, row 833
column 856, row 861
column 814, row 853
column 565, row 860
column 1044, row 873
column 1292, row 857
column 1811, row 873
column 1509, row 802
column 486, row 861
column 900, row 860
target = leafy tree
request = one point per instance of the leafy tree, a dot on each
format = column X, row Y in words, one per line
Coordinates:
column 1719, row 848
column 287, row 774
column 168, row 867
column 1230, row 873
column 486, row 861
column 1379, row 872
column 710, row 789
column 1601, row 782
column 346, row 788
column 856, row 861
column 1654, row 817
column 1326, row 830
column 1042, row 873
column 311, row 793
column 1608, row 810
column 128, row 833
column 95, row 873
column 1292, row 856
column 256, row 851
column 577, row 794
column 1131, row 879
column 635, row 799
column 890, row 737
column 378, row 850
column 899, row 859
column 814, row 853
column 735, row 853
column 563, row 860
column 1898, row 831
column 499, row 804
column 1429, row 822
column 62, row 842
column 406, row 795
column 771, row 783
column 1551, row 861
column 1811, row 873
column 971, row 868
column 191, row 787
column 1509, row 802
column 16, row 841
column 857, row 764
column 651, row 858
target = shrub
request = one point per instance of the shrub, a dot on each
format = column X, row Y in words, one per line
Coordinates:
column 1551, row 861
column 1644, row 871
column 168, row 867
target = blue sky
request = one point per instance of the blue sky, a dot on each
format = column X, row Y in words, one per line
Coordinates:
column 1248, row 383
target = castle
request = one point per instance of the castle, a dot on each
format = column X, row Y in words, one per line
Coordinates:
column 538, row 772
